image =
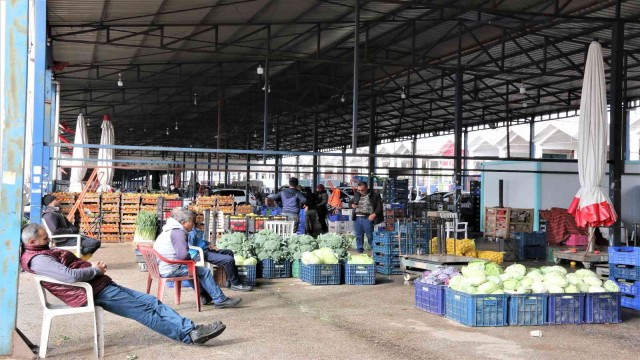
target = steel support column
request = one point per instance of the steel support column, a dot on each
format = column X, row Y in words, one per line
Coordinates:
column 220, row 108
column 372, row 132
column 414, row 165
column 616, row 152
column 266, row 94
column 13, row 96
column 532, row 136
column 465, row 163
column 47, row 135
column 356, row 82
column 344, row 164
column 315, row 141
column 278, row 159
column 457, row 162
column 246, row 186
column 37, row 78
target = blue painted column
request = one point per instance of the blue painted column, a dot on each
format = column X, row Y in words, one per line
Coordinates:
column 55, row 92
column 47, row 131
column 37, row 158
column 13, row 109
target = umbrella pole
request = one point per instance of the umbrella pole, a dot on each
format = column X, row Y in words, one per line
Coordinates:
column 592, row 241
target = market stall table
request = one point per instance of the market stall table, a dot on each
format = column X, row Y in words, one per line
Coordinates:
column 417, row 264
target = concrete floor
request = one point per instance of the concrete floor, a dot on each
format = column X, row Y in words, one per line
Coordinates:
column 288, row 319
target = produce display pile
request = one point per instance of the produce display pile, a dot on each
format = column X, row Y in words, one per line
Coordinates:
column 299, row 244
column 236, row 242
column 438, row 276
column 269, row 245
column 479, row 277
column 464, row 247
column 320, row 256
column 337, row 243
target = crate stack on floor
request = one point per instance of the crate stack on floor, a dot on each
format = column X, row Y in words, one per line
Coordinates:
column 202, row 204
column 91, row 207
column 624, row 269
column 388, row 245
column 475, row 190
column 530, row 245
column 395, row 191
column 149, row 202
column 110, row 227
column 66, row 200
column 129, row 209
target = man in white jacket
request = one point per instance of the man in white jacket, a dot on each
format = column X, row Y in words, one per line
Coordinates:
column 173, row 245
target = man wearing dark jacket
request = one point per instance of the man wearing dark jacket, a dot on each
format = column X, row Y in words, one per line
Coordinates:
column 292, row 201
column 369, row 212
column 322, row 208
column 62, row 265
column 58, row 224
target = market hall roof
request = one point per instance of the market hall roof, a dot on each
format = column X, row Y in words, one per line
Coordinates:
column 176, row 58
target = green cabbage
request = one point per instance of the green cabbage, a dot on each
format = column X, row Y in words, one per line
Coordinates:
column 555, row 279
column 494, row 279
column 335, row 242
column 571, row 289
column 498, row 292
column 250, row 261
column 309, row 258
column 555, row 289
column 527, row 281
column 582, row 273
column 326, row 256
column 492, row 269
column 239, row 259
column 516, row 271
column 573, row 278
column 297, row 244
column 611, row 286
column 269, row 245
column 456, row 282
column 360, row 259
column 511, row 284
column 504, row 277
column 487, row 288
column 584, row 288
column 538, row 287
column 555, row 268
column 592, row 281
column 596, row 289
column 523, row 290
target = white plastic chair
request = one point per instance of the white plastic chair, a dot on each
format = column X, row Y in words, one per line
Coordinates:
column 455, row 228
column 74, row 249
column 282, row 228
column 53, row 310
column 202, row 262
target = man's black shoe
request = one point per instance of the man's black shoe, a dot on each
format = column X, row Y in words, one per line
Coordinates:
column 241, row 287
column 230, row 302
column 205, row 300
column 203, row 333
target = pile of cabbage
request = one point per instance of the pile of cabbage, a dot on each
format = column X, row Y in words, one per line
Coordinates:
column 438, row 276
column 299, row 244
column 335, row 242
column 320, row 256
column 242, row 261
column 269, row 245
column 360, row 259
column 236, row 242
column 479, row 278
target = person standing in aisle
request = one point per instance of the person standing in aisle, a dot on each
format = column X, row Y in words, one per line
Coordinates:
column 321, row 208
column 368, row 212
column 292, row 201
column 311, row 226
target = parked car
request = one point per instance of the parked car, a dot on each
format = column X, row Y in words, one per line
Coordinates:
column 239, row 196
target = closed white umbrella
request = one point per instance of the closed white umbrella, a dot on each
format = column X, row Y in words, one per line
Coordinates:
column 105, row 168
column 591, row 206
column 79, row 169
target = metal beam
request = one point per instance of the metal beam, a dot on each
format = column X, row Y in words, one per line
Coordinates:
column 616, row 152
column 356, row 82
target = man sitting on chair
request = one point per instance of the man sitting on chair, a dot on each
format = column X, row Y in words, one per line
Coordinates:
column 173, row 244
column 218, row 257
column 62, row 265
column 58, row 224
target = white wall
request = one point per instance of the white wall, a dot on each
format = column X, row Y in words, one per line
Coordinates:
column 554, row 190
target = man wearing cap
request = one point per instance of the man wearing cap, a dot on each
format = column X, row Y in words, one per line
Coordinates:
column 292, row 201
column 58, row 224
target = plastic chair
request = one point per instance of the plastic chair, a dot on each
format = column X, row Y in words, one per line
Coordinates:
column 282, row 228
column 76, row 249
column 53, row 310
column 152, row 258
column 460, row 227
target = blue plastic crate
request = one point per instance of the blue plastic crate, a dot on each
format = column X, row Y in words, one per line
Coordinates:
column 389, row 260
column 247, row 274
column 536, row 238
column 321, row 274
column 384, row 236
column 388, row 270
column 630, row 301
column 430, row 298
column 404, row 246
column 533, row 252
column 274, row 270
column 476, row 310
column 360, row 274
column 528, row 309
column 625, row 272
column 624, row 255
column 338, row 217
column 566, row 309
column 629, row 287
column 602, row 308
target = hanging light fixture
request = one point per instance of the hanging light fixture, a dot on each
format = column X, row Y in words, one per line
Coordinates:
column 176, row 125
column 403, row 95
column 255, row 134
column 523, row 90
column 120, row 82
column 273, row 128
column 343, row 98
column 167, row 131
column 269, row 89
column 145, row 128
column 260, row 70
column 195, row 99
column 524, row 104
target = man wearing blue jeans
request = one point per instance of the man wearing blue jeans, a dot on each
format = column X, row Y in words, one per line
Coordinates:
column 292, row 201
column 62, row 265
column 368, row 212
column 173, row 244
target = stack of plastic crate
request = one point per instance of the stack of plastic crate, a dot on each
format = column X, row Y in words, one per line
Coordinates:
column 387, row 245
column 624, row 268
column 531, row 245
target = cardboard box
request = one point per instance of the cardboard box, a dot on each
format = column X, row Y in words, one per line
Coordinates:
column 348, row 212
